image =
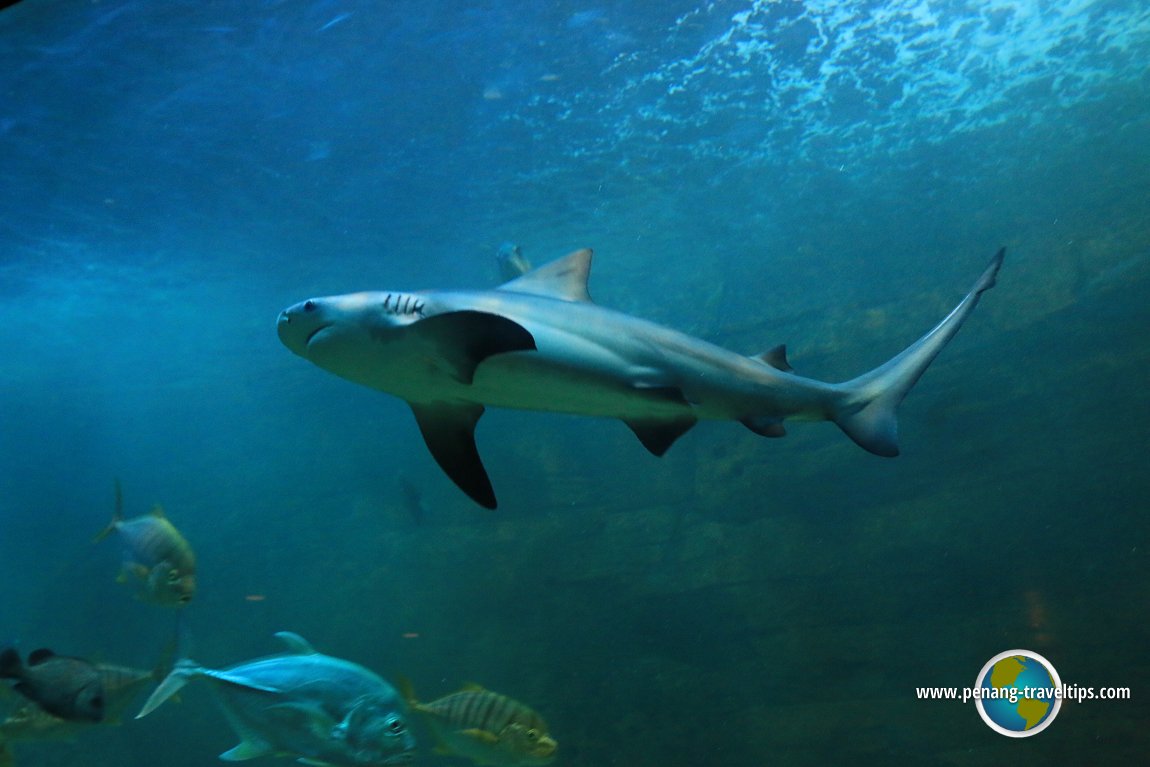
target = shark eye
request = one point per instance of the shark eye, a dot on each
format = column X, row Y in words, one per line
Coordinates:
column 309, row 305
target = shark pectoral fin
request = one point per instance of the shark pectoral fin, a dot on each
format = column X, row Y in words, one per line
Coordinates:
column 449, row 431
column 765, row 426
column 466, row 338
column 658, row 434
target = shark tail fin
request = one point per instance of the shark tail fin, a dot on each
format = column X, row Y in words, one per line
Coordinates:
column 868, row 411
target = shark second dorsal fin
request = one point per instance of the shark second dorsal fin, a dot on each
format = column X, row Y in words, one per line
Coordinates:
column 564, row 278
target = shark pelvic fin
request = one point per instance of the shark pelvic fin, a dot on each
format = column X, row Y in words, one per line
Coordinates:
column 467, row 338
column 658, row 434
column 564, row 278
column 449, row 431
column 765, row 426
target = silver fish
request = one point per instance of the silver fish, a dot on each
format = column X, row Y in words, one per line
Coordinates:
column 319, row 709
column 511, row 261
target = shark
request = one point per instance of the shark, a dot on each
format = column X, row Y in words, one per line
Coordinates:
column 538, row 342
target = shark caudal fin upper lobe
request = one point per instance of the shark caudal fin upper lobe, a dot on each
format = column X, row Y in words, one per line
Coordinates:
column 867, row 412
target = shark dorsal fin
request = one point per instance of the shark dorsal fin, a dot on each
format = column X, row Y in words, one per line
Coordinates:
column 564, row 278
column 296, row 644
column 776, row 357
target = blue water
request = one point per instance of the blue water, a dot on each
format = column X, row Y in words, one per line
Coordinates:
column 832, row 175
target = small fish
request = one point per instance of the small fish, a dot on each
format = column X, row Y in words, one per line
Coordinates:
column 511, row 261
column 155, row 553
column 70, row 688
column 486, row 727
column 319, row 709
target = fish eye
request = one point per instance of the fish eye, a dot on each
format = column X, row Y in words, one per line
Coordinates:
column 173, row 577
column 532, row 735
column 98, row 701
column 396, row 726
column 309, row 305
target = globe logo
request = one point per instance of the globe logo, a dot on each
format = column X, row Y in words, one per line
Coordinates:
column 1018, row 693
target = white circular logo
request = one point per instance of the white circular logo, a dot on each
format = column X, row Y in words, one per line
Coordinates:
column 1018, row 693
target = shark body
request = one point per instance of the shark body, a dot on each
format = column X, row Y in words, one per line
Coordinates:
column 538, row 342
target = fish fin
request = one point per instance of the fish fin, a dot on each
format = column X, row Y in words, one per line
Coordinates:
column 296, row 644
column 184, row 670
column 867, row 409
column 564, row 278
column 466, row 338
column 406, row 690
column 158, row 512
column 765, row 426
column 658, row 434
column 449, row 431
column 776, row 357
column 41, row 655
column 247, row 749
column 473, row 687
column 117, row 516
column 10, row 665
column 238, row 680
column 482, row 736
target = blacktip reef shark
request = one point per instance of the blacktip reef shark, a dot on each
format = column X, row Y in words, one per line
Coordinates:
column 538, row 342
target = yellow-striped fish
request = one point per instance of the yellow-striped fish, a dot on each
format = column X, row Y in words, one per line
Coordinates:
column 486, row 727
column 156, row 554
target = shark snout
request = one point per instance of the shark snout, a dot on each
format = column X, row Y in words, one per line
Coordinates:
column 298, row 324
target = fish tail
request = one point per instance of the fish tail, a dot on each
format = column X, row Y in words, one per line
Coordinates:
column 867, row 411
column 117, row 515
column 184, row 670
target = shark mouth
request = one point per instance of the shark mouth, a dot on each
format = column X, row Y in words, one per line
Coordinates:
column 311, row 336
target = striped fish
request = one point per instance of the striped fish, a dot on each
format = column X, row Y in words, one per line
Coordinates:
column 486, row 727
column 156, row 554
